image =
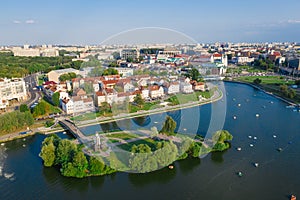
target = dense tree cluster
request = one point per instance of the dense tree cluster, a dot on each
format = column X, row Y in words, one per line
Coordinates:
column 14, row 121
column 143, row 160
column 287, row 92
column 67, row 77
column 41, row 109
column 257, row 81
column 264, row 64
column 13, row 66
column 70, row 158
column 221, row 138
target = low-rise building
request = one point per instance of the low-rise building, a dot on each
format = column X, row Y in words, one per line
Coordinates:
column 173, row 88
column 186, row 88
column 155, row 91
column 55, row 74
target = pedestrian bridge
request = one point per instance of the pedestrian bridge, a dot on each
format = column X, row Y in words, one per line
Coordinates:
column 76, row 132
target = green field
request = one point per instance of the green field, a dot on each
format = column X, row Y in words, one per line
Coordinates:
column 150, row 142
column 276, row 80
column 124, row 136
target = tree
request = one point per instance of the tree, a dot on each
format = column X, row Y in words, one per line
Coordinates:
column 221, row 138
column 96, row 166
column 80, row 163
column 169, row 126
column 138, row 99
column 48, row 154
column 291, row 93
column 24, row 108
column 110, row 71
column 55, row 99
column 65, row 151
column 284, row 89
column 257, row 81
column 297, row 82
column 48, row 151
column 193, row 74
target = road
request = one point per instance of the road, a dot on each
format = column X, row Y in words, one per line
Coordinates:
column 31, row 83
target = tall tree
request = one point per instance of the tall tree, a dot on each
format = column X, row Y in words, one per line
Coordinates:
column 55, row 98
column 24, row 108
column 169, row 126
column 138, row 99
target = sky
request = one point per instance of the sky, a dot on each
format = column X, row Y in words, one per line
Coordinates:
column 86, row 22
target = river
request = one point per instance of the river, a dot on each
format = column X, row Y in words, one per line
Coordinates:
column 22, row 175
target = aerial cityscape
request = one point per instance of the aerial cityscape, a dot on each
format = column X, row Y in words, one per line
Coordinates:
column 165, row 100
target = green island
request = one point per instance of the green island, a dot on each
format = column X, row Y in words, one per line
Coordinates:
column 144, row 154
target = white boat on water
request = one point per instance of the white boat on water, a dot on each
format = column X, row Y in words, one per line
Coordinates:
column 249, row 136
column 251, row 145
column 8, row 176
column 256, row 164
column 239, row 148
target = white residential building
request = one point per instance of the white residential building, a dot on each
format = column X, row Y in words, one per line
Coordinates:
column 186, row 88
column 156, row 91
column 126, row 72
column 77, row 104
column 12, row 89
column 173, row 88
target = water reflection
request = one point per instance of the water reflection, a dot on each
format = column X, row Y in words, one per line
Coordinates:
column 217, row 157
column 162, row 176
column 142, row 121
column 188, row 165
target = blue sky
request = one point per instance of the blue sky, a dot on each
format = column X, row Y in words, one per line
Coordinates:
column 92, row 21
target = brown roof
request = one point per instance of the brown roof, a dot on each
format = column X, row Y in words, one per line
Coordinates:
column 153, row 87
column 100, row 94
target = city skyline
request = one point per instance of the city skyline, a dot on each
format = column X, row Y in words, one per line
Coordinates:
column 79, row 22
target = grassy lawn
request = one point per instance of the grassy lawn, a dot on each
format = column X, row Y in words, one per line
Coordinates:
column 86, row 116
column 266, row 80
column 147, row 106
column 124, row 136
column 127, row 147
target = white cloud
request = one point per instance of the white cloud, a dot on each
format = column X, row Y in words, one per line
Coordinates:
column 293, row 21
column 17, row 22
column 30, row 21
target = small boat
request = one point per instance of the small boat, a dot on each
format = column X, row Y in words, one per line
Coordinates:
column 250, row 136
column 251, row 145
column 274, row 136
column 290, row 106
column 279, row 149
column 239, row 105
column 293, row 197
column 24, row 139
column 171, row 167
column 240, row 174
column 271, row 102
column 257, row 115
column 264, row 106
column 155, row 122
column 234, row 117
column 256, row 164
column 184, row 129
column 239, row 148
column 233, row 99
column 24, row 145
column 64, row 132
column 255, row 138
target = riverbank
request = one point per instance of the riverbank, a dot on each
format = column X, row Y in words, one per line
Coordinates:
column 264, row 89
column 100, row 120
